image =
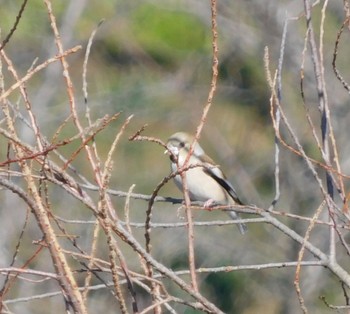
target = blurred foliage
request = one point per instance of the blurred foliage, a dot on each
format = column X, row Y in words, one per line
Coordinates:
column 153, row 59
column 167, row 35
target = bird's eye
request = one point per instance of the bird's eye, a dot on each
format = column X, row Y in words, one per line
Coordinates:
column 182, row 144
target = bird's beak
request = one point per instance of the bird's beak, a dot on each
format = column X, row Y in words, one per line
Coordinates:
column 173, row 152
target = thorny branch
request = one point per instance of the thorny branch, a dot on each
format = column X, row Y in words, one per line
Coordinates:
column 131, row 264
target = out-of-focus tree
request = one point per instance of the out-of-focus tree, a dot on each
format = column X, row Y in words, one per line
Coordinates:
column 83, row 225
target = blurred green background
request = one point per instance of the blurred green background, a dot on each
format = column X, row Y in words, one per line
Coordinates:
column 153, row 59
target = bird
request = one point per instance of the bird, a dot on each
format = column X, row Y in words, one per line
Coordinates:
column 205, row 180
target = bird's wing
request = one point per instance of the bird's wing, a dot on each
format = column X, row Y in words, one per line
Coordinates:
column 216, row 173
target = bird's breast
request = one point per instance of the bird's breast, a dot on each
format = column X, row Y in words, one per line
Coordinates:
column 201, row 186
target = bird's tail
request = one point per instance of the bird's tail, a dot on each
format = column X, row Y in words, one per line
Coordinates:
column 241, row 226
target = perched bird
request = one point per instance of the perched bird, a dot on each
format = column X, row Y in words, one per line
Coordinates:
column 206, row 183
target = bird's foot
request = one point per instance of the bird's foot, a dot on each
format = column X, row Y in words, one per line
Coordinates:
column 209, row 204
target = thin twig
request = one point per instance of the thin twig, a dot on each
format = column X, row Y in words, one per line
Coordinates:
column 38, row 68
column 86, row 58
column 335, row 54
column 14, row 27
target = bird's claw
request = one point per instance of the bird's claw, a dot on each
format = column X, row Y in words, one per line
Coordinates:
column 209, row 204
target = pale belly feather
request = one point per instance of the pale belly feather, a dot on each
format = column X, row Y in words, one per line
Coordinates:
column 202, row 187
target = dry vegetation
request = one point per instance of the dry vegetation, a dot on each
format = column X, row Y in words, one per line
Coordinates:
column 73, row 242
